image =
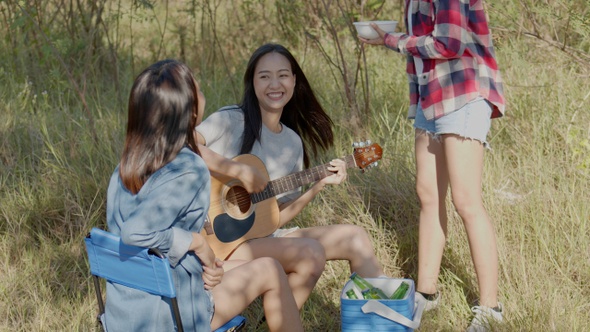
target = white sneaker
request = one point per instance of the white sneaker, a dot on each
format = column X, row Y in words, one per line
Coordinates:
column 430, row 304
column 485, row 318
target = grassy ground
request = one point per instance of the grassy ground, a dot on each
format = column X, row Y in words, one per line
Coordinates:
column 60, row 140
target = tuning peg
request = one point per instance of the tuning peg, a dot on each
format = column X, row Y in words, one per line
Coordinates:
column 355, row 144
column 362, row 144
column 369, row 142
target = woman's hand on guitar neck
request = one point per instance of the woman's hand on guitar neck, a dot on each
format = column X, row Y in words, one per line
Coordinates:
column 338, row 167
column 289, row 210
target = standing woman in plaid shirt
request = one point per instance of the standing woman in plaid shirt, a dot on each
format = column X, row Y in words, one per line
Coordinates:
column 455, row 91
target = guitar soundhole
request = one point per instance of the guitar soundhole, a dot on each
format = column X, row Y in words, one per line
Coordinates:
column 237, row 201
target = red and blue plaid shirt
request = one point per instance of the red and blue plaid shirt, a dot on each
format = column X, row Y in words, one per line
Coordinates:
column 453, row 39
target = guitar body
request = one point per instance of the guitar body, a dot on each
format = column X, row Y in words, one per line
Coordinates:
column 233, row 218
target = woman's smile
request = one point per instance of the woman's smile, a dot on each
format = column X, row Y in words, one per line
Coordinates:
column 274, row 82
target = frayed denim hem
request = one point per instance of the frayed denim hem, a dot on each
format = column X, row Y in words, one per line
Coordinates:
column 436, row 137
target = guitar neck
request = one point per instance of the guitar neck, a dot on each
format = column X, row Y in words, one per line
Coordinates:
column 296, row 180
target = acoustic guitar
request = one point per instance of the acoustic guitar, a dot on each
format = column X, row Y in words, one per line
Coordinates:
column 235, row 216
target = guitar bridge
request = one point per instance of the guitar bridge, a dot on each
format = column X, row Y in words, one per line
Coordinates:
column 207, row 226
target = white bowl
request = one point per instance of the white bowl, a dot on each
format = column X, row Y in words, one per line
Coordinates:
column 366, row 31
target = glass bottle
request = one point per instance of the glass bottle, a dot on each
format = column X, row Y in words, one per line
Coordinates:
column 351, row 294
column 401, row 291
column 368, row 290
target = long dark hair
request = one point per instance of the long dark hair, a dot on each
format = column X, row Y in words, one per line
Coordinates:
column 303, row 113
column 162, row 116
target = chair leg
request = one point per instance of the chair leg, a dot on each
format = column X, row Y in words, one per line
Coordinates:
column 98, row 295
column 177, row 314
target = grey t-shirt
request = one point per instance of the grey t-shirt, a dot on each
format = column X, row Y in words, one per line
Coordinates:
column 281, row 153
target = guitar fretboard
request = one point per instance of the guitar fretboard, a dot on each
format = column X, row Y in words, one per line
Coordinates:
column 296, row 180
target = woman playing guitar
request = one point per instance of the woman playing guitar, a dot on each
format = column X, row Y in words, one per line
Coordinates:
column 280, row 121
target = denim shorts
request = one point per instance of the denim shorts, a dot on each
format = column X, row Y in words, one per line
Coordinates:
column 470, row 121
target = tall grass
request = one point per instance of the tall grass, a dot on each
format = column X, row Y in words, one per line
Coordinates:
column 63, row 86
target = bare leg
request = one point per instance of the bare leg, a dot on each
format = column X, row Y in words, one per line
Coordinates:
column 345, row 242
column 431, row 186
column 244, row 283
column 302, row 259
column 465, row 163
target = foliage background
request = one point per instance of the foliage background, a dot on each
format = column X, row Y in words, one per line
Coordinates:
column 66, row 67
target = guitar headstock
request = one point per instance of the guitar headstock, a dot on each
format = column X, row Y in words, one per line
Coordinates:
column 366, row 154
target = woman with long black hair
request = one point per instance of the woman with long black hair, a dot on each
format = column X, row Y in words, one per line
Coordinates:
column 281, row 122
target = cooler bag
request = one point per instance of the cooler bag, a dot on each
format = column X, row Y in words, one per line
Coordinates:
column 381, row 315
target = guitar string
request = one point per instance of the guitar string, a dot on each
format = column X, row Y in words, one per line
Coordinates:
column 245, row 198
column 290, row 181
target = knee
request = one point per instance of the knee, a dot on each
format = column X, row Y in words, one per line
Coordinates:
column 311, row 259
column 427, row 195
column 271, row 269
column 358, row 240
column 467, row 207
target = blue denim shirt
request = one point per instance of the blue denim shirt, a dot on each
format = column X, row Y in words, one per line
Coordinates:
column 171, row 205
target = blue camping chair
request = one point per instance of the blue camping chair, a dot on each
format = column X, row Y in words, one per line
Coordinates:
column 136, row 267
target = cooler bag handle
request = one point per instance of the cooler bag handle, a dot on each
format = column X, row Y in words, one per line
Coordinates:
column 376, row 307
